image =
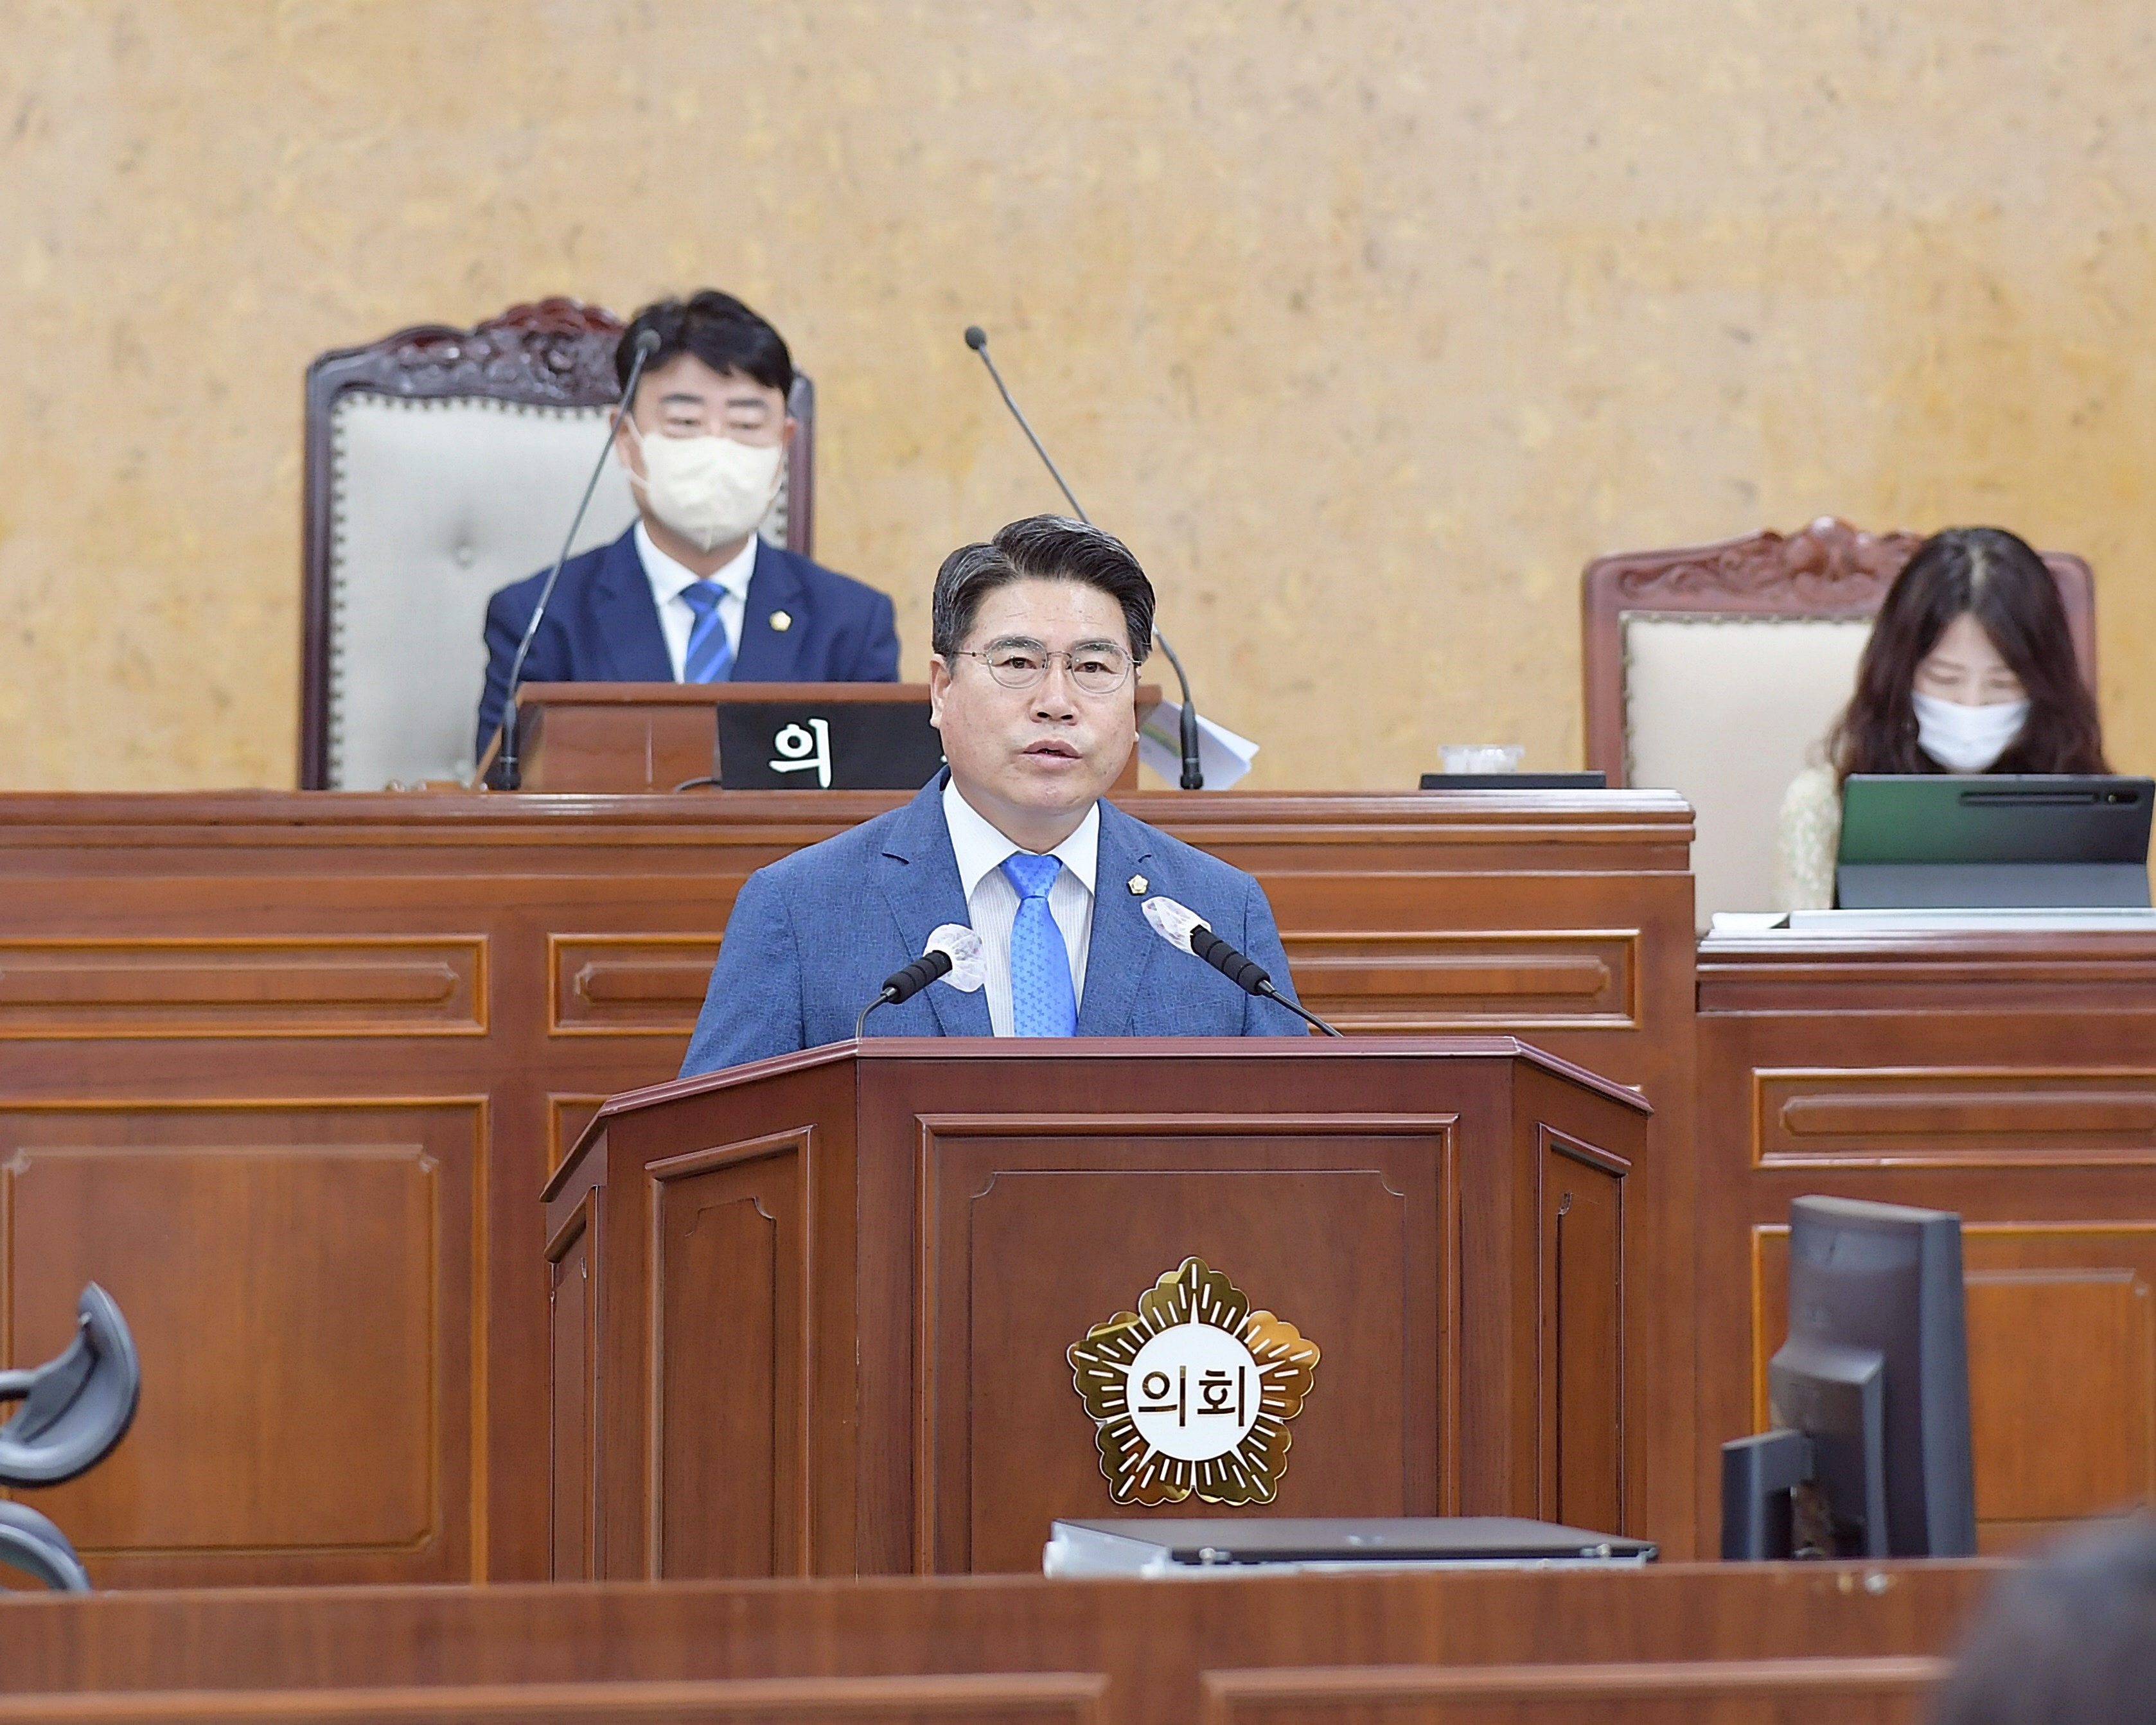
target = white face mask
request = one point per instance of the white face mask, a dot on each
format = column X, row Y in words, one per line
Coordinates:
column 709, row 490
column 1967, row 739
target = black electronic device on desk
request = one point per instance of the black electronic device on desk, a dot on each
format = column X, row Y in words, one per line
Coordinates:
column 1597, row 780
column 1275, row 1544
column 1869, row 1457
column 1988, row 841
column 807, row 745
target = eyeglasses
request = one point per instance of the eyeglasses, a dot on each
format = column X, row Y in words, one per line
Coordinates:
column 1095, row 667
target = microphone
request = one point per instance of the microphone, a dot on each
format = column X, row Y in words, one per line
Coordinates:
column 1193, row 774
column 953, row 953
column 1184, row 928
column 507, row 775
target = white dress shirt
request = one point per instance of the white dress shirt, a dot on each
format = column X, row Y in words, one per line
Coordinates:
column 992, row 901
column 677, row 615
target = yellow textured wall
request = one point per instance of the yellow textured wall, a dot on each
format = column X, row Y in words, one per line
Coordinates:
column 1366, row 325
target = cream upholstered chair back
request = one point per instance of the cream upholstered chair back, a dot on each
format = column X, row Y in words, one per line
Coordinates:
column 442, row 465
column 1717, row 670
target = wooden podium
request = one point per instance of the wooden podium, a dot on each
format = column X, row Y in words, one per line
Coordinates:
column 811, row 1317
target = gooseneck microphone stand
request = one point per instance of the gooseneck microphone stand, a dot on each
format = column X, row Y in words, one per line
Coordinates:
column 1193, row 774
column 507, row 774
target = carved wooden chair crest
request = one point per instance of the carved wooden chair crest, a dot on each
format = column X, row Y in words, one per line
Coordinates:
column 1717, row 669
column 441, row 464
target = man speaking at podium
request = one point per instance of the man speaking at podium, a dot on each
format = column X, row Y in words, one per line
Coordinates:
column 690, row 593
column 1038, row 639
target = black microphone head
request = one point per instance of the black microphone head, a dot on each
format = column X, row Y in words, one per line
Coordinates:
column 903, row 985
column 647, row 344
column 1242, row 971
column 977, row 338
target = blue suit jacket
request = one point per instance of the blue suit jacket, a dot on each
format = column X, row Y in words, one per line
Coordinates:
column 602, row 627
column 812, row 937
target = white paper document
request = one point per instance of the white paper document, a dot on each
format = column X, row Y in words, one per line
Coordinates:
column 1748, row 921
column 1224, row 756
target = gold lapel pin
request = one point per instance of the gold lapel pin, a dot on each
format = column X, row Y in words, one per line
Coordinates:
column 781, row 621
column 1137, row 885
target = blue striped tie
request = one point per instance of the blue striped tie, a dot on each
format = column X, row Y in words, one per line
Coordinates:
column 711, row 656
column 1043, row 1002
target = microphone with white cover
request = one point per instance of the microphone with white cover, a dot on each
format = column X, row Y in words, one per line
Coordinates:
column 953, row 954
column 1182, row 928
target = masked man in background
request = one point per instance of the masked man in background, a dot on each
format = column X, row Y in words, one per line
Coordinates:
column 690, row 593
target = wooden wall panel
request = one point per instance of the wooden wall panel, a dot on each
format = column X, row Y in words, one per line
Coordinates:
column 1671, row 1644
column 1406, row 981
column 730, row 1361
column 2002, row 1076
column 1002, row 1299
column 301, row 1281
column 573, row 1317
column 629, row 985
column 535, row 953
column 1950, row 1118
column 2062, row 1369
column 1581, row 1193
column 1012, row 1699
column 1851, row 1692
column 234, row 986
column 1411, row 980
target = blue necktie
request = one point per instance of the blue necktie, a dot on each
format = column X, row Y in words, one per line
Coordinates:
column 709, row 658
column 1043, row 1002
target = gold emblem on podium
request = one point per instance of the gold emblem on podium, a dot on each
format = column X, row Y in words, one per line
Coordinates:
column 1191, row 1393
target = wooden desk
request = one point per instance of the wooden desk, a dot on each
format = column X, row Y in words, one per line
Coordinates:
column 287, row 1070
column 1677, row 1645
column 2009, row 1077
column 631, row 738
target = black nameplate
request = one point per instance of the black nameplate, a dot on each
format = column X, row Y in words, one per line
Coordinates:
column 847, row 745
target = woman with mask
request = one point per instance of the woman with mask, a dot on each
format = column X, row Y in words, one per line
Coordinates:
column 1970, row 668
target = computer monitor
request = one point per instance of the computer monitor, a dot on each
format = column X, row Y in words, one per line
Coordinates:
column 1983, row 841
column 1870, row 1396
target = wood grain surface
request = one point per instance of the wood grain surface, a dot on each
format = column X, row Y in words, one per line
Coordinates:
column 839, row 1289
column 631, row 738
column 323, row 1051
column 2009, row 1077
column 1671, row 1644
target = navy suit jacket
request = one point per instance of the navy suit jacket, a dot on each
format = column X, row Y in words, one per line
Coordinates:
column 812, row 937
column 602, row 626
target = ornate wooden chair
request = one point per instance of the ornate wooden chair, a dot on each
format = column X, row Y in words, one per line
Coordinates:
column 441, row 464
column 1717, row 670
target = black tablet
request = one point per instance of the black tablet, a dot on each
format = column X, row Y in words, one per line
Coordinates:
column 1949, row 841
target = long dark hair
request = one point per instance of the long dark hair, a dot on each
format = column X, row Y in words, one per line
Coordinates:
column 1995, row 578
